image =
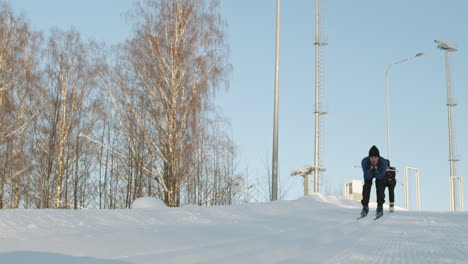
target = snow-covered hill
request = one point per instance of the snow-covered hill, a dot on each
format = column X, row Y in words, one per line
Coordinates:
column 313, row 229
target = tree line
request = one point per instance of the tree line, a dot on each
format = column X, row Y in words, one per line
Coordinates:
column 84, row 125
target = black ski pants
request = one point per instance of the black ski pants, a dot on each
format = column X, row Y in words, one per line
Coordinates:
column 391, row 190
column 366, row 190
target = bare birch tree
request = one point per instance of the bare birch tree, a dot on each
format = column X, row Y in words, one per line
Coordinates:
column 18, row 61
column 61, row 148
column 68, row 109
column 172, row 66
column 214, row 179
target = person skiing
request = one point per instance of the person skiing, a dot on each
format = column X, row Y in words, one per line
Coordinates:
column 373, row 166
column 390, row 183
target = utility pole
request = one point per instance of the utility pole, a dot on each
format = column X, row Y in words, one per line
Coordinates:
column 306, row 174
column 274, row 176
column 450, row 104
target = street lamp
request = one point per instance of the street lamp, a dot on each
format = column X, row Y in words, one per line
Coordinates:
column 274, row 171
column 388, row 105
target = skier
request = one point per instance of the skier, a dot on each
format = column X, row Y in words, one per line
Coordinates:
column 390, row 183
column 373, row 166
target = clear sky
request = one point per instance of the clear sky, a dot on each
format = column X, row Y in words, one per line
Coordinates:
column 363, row 37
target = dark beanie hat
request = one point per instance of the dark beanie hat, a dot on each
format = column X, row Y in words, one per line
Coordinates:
column 374, row 151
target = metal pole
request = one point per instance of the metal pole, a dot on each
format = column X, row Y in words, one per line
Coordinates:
column 274, row 178
column 452, row 194
column 459, row 180
column 406, row 189
column 461, row 194
column 317, row 96
column 418, row 193
column 447, row 48
column 450, row 123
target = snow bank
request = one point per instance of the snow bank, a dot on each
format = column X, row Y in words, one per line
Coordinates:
column 148, row 203
column 312, row 229
column 326, row 201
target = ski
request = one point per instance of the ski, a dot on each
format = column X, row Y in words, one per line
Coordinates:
column 362, row 216
column 377, row 217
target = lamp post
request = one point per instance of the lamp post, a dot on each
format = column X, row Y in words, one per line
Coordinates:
column 274, row 176
column 387, row 97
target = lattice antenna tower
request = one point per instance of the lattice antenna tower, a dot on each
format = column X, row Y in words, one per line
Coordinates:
column 450, row 104
column 319, row 43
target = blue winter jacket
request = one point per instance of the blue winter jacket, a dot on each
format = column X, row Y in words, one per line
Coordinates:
column 369, row 174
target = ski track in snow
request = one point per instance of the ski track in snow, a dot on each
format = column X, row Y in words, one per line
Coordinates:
column 313, row 229
column 403, row 238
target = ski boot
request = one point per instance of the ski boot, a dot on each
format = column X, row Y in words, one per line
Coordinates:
column 365, row 210
column 379, row 212
column 392, row 208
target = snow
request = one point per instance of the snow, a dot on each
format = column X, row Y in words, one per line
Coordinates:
column 312, row 229
column 147, row 203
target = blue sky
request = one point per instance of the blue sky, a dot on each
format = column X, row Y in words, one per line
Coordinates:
column 363, row 37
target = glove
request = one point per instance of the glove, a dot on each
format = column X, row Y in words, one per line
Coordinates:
column 374, row 170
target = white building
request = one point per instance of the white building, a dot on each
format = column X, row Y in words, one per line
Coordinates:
column 353, row 190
